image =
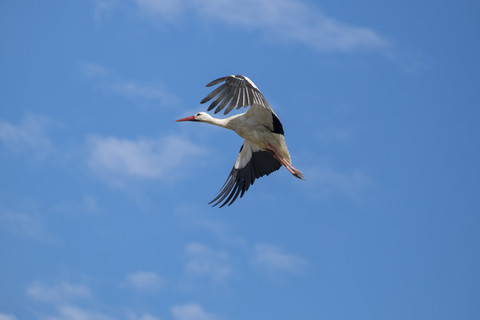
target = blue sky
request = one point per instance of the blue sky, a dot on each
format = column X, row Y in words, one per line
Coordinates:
column 103, row 197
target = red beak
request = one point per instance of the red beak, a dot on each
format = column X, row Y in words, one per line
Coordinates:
column 192, row 118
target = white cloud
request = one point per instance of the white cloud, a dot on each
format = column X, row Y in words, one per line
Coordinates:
column 331, row 135
column 116, row 159
column 71, row 312
column 273, row 258
column 75, row 313
column 90, row 204
column 24, row 225
column 166, row 9
column 92, row 70
column 192, row 311
column 148, row 317
column 145, row 316
column 204, row 261
column 60, row 293
column 29, row 135
column 222, row 231
column 64, row 296
column 135, row 90
column 328, row 180
column 4, row 316
column 285, row 20
column 104, row 6
column 144, row 280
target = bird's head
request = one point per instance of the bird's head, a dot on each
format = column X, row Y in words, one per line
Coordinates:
column 201, row 116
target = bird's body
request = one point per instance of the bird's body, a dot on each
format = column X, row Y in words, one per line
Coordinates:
column 253, row 130
column 264, row 149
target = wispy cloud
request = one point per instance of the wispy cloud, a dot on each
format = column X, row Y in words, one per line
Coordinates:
column 284, row 20
column 145, row 316
column 117, row 159
column 92, row 70
column 74, row 312
column 328, row 134
column 146, row 281
column 329, row 180
column 89, row 204
column 29, row 135
column 65, row 298
column 104, row 6
column 61, row 293
column 86, row 204
column 191, row 311
column 273, row 259
column 68, row 312
column 217, row 264
column 24, row 225
column 204, row 261
column 5, row 316
column 221, row 230
column 135, row 90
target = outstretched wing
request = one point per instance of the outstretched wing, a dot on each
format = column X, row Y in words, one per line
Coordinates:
column 237, row 91
column 252, row 163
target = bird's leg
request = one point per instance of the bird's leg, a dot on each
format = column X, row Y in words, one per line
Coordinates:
column 289, row 167
column 286, row 164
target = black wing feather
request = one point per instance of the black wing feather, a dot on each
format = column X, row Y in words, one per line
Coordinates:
column 227, row 97
column 214, row 93
column 223, row 94
column 238, row 90
column 233, row 103
column 240, row 179
column 217, row 81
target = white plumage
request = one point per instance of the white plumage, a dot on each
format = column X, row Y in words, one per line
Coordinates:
column 264, row 149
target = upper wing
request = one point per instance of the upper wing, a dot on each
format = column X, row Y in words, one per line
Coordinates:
column 252, row 163
column 237, row 91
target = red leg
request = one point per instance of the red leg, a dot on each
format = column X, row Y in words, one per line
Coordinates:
column 286, row 164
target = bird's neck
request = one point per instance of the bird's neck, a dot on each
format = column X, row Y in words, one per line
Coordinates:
column 218, row 122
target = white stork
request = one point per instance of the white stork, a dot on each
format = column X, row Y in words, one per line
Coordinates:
column 264, row 149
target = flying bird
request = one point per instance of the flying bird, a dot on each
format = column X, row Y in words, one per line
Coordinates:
column 264, row 149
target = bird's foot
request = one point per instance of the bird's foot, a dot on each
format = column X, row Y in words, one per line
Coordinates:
column 289, row 167
column 297, row 174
